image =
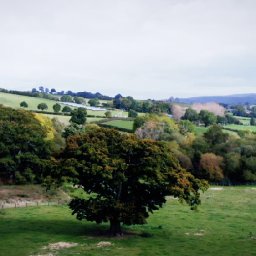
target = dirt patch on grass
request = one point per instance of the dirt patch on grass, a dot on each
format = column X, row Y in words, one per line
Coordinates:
column 198, row 233
column 217, row 189
column 104, row 244
column 60, row 245
column 24, row 195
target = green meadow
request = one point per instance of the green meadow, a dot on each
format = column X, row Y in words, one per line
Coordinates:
column 225, row 224
column 14, row 100
column 241, row 127
column 127, row 124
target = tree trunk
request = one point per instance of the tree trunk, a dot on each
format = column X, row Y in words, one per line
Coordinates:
column 115, row 228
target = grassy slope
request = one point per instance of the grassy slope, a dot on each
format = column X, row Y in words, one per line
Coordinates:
column 13, row 100
column 244, row 120
column 65, row 119
column 241, row 127
column 223, row 225
column 121, row 124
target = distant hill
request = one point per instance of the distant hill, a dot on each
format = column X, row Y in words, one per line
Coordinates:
column 229, row 99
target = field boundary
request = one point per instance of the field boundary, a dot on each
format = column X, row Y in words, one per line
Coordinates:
column 21, row 204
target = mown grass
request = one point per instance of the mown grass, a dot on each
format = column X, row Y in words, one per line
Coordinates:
column 225, row 224
column 121, row 124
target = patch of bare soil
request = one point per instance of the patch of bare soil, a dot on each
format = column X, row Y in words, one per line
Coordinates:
column 25, row 195
column 104, row 244
column 198, row 233
column 220, row 188
column 47, row 254
column 60, row 245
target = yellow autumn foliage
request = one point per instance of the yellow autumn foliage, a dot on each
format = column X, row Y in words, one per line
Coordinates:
column 46, row 123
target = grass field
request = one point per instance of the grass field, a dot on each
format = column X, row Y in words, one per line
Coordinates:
column 225, row 224
column 243, row 120
column 200, row 130
column 241, row 127
column 65, row 119
column 121, row 124
column 13, row 100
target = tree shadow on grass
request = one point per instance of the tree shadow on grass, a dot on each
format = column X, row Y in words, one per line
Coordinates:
column 63, row 227
column 72, row 228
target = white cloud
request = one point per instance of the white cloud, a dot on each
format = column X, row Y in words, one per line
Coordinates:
column 143, row 48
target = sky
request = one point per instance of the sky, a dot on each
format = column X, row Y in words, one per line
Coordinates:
column 143, row 48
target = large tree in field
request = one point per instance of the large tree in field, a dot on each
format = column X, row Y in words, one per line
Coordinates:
column 126, row 178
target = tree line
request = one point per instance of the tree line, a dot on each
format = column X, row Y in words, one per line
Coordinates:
column 126, row 176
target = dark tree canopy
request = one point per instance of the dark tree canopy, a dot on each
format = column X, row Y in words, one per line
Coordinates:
column 132, row 113
column 208, row 118
column 126, row 178
column 66, row 98
column 94, row 102
column 24, row 152
column 24, row 104
column 66, row 109
column 42, row 106
column 56, row 107
column 78, row 116
column 191, row 115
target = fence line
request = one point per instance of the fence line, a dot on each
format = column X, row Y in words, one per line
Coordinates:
column 20, row 204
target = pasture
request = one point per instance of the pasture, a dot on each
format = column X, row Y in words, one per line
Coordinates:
column 126, row 124
column 241, row 127
column 14, row 100
column 225, row 224
column 65, row 119
column 243, row 120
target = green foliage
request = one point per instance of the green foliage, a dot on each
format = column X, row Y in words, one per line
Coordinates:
column 22, row 147
column 78, row 116
column 72, row 129
column 215, row 135
column 108, row 114
column 191, row 115
column 186, row 126
column 66, row 109
column 79, row 100
column 157, row 128
column 132, row 113
column 239, row 110
column 66, row 98
column 42, row 106
column 252, row 121
column 126, row 178
column 24, row 104
column 146, row 106
column 56, row 107
column 208, row 118
column 94, row 102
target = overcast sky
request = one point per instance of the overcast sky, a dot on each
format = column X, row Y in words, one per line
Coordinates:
column 143, row 48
